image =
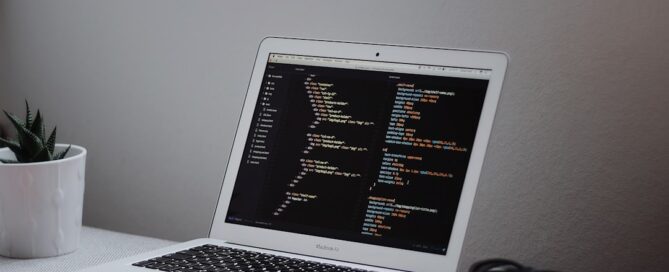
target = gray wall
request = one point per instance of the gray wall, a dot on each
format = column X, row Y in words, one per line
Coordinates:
column 4, row 65
column 575, row 177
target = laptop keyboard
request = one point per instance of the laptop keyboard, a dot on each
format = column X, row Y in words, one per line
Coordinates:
column 213, row 258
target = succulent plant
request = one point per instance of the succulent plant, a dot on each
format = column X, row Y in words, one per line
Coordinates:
column 32, row 144
column 2, row 135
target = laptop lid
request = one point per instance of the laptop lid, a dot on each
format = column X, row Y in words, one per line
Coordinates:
column 360, row 152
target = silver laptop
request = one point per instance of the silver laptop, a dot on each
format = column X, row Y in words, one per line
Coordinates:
column 348, row 157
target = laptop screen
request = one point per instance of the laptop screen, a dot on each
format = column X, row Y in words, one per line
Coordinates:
column 364, row 151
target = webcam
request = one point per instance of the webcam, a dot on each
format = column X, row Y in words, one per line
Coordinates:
column 377, row 54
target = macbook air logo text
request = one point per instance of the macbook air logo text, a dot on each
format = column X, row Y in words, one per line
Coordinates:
column 325, row 247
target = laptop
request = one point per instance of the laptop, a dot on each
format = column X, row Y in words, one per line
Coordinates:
column 348, row 157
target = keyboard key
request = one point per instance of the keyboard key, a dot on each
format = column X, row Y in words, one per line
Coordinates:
column 212, row 258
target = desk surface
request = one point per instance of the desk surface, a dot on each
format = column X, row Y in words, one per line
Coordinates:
column 97, row 246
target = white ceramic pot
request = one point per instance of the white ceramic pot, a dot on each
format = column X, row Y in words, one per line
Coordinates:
column 41, row 205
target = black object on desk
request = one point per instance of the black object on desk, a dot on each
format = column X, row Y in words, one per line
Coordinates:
column 502, row 265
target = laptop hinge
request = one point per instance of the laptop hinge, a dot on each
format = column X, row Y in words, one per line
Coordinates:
column 313, row 256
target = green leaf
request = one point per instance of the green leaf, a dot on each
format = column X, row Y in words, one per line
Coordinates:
column 30, row 143
column 51, row 143
column 18, row 125
column 14, row 147
column 41, row 156
column 29, row 115
column 17, row 153
column 62, row 154
column 37, row 127
column 15, row 121
column 7, row 161
column 9, row 143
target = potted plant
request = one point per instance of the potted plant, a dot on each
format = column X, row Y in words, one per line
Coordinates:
column 41, row 191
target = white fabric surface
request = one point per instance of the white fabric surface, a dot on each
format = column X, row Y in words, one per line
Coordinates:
column 97, row 246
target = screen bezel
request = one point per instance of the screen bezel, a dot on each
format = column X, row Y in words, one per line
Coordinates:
column 357, row 252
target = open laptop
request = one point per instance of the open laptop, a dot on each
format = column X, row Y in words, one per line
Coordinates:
column 348, row 157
